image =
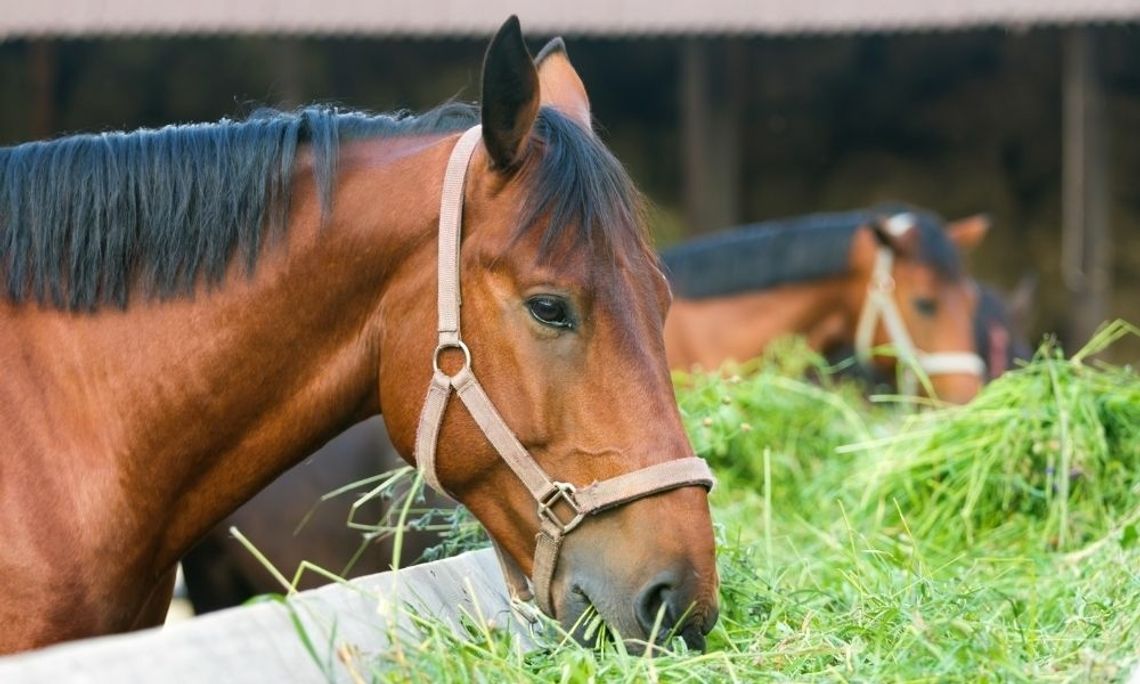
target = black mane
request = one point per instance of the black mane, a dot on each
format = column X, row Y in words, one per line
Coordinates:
column 87, row 218
column 792, row 250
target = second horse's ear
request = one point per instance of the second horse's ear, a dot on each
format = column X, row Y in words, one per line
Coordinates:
column 969, row 232
column 510, row 95
column 560, row 86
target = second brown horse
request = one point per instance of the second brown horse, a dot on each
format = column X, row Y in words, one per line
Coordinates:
column 816, row 276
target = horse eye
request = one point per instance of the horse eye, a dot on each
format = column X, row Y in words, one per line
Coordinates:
column 550, row 311
column 926, row 306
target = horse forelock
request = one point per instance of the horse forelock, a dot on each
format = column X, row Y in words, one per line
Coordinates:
column 580, row 197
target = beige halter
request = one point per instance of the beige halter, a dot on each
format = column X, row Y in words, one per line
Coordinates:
column 880, row 302
column 596, row 497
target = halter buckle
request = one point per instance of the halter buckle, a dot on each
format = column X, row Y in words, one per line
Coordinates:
column 453, row 344
column 560, row 492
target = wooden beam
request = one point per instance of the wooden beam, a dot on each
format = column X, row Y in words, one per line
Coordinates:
column 42, row 75
column 1086, row 263
column 710, row 122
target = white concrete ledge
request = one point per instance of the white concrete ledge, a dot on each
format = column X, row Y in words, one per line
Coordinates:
column 260, row 643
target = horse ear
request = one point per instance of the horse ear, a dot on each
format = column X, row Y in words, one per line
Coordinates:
column 560, row 86
column 898, row 232
column 510, row 95
column 969, row 232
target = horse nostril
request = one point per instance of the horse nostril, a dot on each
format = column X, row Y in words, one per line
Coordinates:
column 661, row 603
column 671, row 599
column 653, row 600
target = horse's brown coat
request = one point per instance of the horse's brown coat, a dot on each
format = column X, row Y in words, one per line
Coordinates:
column 128, row 434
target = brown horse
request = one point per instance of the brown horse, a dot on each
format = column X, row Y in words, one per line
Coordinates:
column 192, row 310
column 290, row 524
column 220, row 573
column 818, row 276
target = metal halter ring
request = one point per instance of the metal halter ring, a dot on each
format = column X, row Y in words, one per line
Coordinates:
column 457, row 344
column 560, row 491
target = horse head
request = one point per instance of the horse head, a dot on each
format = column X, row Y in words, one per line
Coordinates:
column 563, row 306
column 919, row 299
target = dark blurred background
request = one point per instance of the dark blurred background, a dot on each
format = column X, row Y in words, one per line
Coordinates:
column 721, row 131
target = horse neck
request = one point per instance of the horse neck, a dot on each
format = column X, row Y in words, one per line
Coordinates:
column 708, row 332
column 201, row 401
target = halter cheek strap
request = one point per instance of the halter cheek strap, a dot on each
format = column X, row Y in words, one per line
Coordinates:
column 561, row 505
column 880, row 303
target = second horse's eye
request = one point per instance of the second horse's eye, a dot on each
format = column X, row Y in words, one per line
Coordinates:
column 926, row 306
column 550, row 311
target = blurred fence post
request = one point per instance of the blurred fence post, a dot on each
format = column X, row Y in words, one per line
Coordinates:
column 710, row 121
column 1086, row 258
column 42, row 75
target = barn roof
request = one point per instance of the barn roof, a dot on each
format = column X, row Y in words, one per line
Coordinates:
column 458, row 18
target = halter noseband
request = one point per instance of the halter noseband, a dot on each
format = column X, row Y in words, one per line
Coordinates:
column 549, row 493
column 881, row 302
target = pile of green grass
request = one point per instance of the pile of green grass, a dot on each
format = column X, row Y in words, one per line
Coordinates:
column 1048, row 455
column 873, row 541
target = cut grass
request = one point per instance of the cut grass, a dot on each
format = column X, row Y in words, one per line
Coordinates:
column 872, row 542
column 1051, row 451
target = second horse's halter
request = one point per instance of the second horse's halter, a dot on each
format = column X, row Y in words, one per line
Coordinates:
column 880, row 302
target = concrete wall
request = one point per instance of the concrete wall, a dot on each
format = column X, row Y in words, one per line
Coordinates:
column 261, row 643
